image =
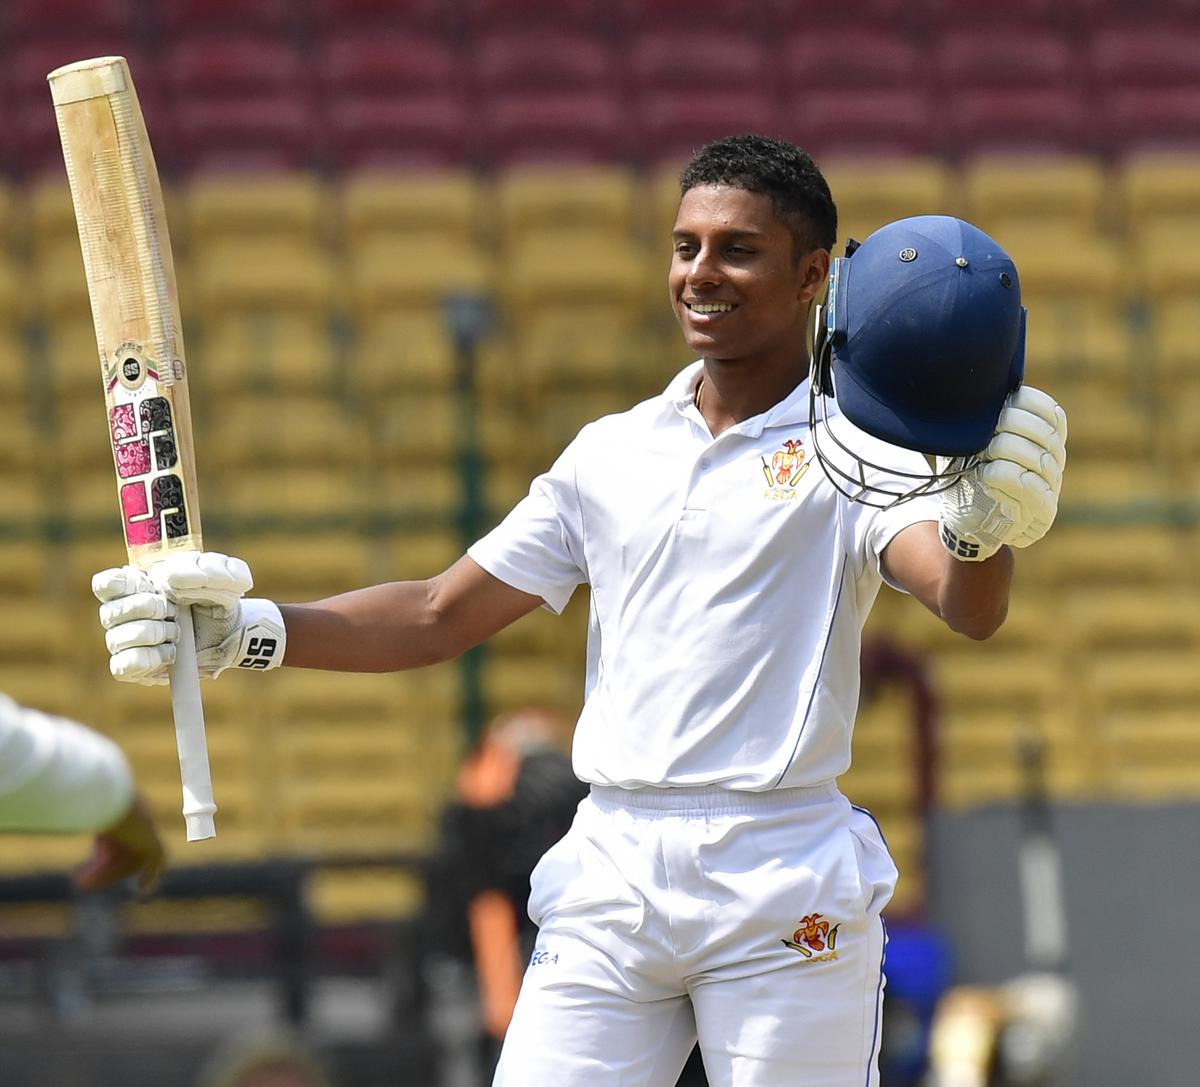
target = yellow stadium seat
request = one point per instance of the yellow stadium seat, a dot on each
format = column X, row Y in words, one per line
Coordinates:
column 13, row 213
column 869, row 193
column 1098, row 617
column 1102, row 426
column 82, row 440
column 1079, row 556
column 268, row 351
column 418, row 427
column 14, row 294
column 397, row 352
column 1181, row 409
column 254, row 432
column 317, row 564
column 59, row 285
column 239, row 274
column 21, row 444
column 1019, row 680
column 51, row 685
column 347, row 896
column 1137, row 678
column 16, row 385
column 532, row 200
column 549, row 350
column 1017, row 193
column 73, row 361
column 285, row 205
column 283, row 496
column 51, row 214
column 1151, row 755
column 420, row 208
column 430, row 494
column 390, row 274
column 593, row 272
column 1174, row 341
column 510, row 683
column 1166, row 263
column 354, row 818
column 413, row 554
column 1108, row 484
column 1159, row 189
column 1058, row 264
column 25, row 567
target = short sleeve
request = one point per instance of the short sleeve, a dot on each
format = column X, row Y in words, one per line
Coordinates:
column 538, row 547
column 891, row 469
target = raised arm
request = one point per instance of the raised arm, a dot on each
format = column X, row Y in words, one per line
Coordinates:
column 387, row 627
column 403, row 624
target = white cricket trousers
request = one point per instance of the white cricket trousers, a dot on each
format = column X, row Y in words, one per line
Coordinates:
column 748, row 920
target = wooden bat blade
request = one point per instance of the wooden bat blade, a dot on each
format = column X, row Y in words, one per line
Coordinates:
column 135, row 309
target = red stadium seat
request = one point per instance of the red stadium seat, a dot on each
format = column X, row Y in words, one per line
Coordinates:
column 507, row 61
column 234, row 67
column 485, row 17
column 996, row 13
column 1055, row 119
column 1147, row 55
column 387, row 131
column 684, row 60
column 331, row 16
column 1001, row 58
column 683, row 15
column 181, row 18
column 387, row 62
column 268, row 132
column 800, row 16
column 672, row 125
column 865, row 58
column 895, row 121
column 34, row 20
column 1154, row 119
column 568, row 127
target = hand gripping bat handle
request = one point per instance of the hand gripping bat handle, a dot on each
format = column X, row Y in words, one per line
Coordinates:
column 198, row 806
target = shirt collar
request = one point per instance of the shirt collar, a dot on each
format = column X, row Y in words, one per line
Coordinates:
column 792, row 410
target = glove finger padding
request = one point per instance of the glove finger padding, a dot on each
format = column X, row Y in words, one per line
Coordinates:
column 127, row 609
column 148, row 664
column 147, row 633
column 203, row 577
column 121, row 581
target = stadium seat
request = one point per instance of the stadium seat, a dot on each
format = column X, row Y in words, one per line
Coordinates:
column 288, row 351
column 175, row 19
column 242, row 274
column 1028, row 193
column 286, row 498
column 27, row 21
column 510, row 683
column 554, row 127
column 1153, row 120
column 1133, row 555
column 868, row 56
column 318, row 564
column 393, row 353
column 387, row 63
column 669, row 60
column 553, row 60
column 672, row 124
column 1101, row 618
column 1158, row 188
column 1151, row 754
column 1104, row 427
column 351, row 896
column 897, row 122
column 870, row 193
column 273, row 430
column 51, row 215
column 985, row 15
column 1008, row 58
column 1146, row 52
column 419, row 206
column 425, row 495
column 289, row 205
column 1136, row 678
column 636, row 16
column 417, row 427
column 1016, row 680
column 430, row 130
column 385, row 274
column 484, row 17
column 530, row 201
column 330, row 16
column 1056, row 119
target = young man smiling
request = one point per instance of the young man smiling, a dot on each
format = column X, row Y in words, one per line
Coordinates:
column 715, row 882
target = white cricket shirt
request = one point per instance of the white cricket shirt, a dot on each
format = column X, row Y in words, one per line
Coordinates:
column 730, row 582
column 57, row 775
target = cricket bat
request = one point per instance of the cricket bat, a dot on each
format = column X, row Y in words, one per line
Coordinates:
column 135, row 308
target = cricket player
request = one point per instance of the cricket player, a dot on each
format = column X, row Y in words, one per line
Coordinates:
column 58, row 776
column 715, row 884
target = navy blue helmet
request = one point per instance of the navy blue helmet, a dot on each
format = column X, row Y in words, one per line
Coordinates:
column 921, row 340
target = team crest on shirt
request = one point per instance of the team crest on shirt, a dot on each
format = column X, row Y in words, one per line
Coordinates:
column 815, row 939
column 784, row 470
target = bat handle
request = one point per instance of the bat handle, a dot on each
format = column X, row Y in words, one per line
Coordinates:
column 198, row 806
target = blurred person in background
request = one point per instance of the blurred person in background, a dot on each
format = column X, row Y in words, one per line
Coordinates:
column 266, row 1058
column 58, row 776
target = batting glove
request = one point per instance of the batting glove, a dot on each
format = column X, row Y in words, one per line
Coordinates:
column 138, row 608
column 1011, row 495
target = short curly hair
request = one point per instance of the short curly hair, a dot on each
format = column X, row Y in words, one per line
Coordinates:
column 780, row 170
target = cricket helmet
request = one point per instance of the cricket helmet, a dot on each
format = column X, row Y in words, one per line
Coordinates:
column 920, row 341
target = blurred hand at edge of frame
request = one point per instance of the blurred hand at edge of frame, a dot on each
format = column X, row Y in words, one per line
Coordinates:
column 130, row 846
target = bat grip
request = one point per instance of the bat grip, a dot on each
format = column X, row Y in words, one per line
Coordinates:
column 198, row 806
